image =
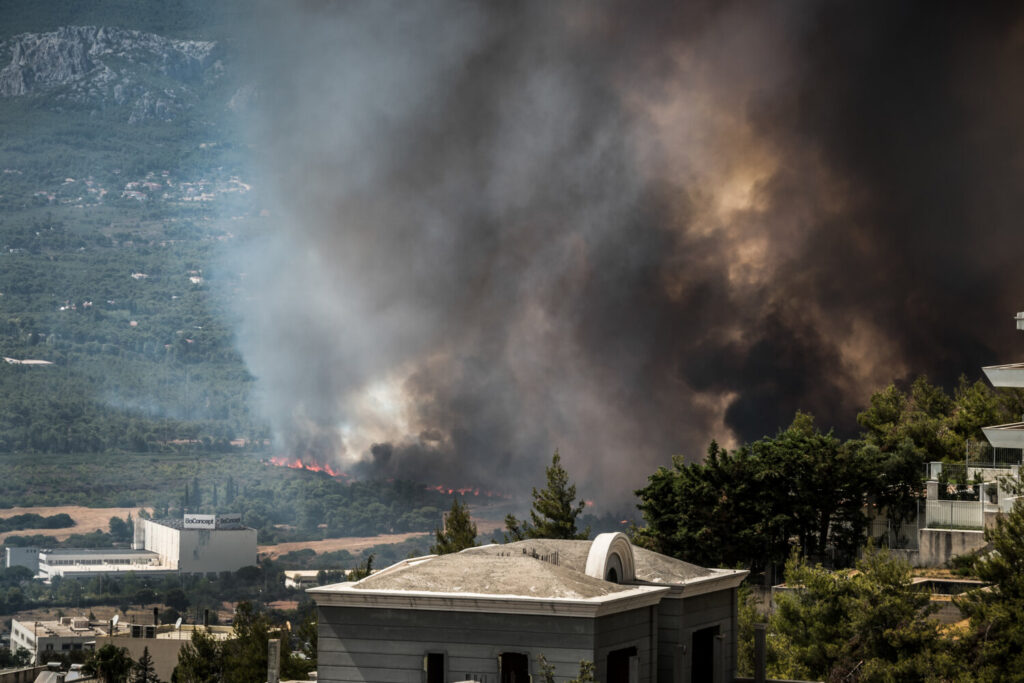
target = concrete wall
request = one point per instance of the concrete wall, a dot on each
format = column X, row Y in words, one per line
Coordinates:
column 22, row 557
column 202, row 550
column 938, row 546
column 708, row 610
column 24, row 675
column 164, row 651
column 162, row 540
column 388, row 645
column 636, row 628
column 216, row 551
column 677, row 621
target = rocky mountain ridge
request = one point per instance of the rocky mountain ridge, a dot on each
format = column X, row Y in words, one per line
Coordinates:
column 148, row 75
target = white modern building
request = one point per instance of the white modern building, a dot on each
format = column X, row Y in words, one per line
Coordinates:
column 193, row 544
column 48, row 639
column 74, row 563
column 198, row 544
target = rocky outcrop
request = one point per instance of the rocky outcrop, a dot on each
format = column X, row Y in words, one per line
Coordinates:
column 150, row 75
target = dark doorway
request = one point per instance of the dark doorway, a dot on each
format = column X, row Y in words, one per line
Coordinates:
column 435, row 667
column 515, row 667
column 702, row 669
column 618, row 665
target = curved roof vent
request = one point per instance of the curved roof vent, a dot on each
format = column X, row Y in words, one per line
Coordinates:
column 611, row 558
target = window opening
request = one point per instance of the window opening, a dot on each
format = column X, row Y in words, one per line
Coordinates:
column 435, row 667
column 515, row 667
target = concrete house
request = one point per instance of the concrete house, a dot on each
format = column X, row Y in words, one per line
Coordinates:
column 486, row 614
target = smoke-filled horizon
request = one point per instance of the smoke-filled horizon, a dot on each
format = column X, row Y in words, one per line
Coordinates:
column 621, row 231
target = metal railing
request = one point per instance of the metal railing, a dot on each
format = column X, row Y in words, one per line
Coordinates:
column 889, row 535
column 981, row 454
column 954, row 514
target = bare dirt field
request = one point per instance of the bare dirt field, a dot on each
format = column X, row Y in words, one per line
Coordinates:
column 86, row 519
column 357, row 544
column 354, row 544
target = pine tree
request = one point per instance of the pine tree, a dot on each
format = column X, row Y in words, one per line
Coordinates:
column 995, row 639
column 459, row 531
column 201, row 661
column 110, row 663
column 143, row 671
column 554, row 510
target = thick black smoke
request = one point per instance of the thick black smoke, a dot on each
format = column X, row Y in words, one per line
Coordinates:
column 622, row 230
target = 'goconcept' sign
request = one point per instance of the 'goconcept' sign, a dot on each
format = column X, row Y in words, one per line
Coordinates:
column 230, row 518
column 200, row 522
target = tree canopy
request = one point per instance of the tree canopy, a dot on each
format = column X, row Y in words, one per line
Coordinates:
column 199, row 661
column 143, row 671
column 459, row 531
column 554, row 510
column 995, row 640
column 110, row 663
column 871, row 624
column 801, row 488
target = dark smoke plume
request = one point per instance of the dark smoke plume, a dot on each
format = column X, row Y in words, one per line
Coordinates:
column 622, row 230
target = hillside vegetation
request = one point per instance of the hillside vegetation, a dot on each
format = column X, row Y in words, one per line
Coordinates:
column 119, row 190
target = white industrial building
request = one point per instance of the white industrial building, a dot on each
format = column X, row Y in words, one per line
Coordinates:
column 198, row 544
column 193, row 544
column 73, row 562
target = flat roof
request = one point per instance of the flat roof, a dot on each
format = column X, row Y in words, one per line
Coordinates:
column 179, row 524
column 44, row 629
column 99, row 552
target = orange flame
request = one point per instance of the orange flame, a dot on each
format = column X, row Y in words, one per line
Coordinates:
column 297, row 464
column 313, row 466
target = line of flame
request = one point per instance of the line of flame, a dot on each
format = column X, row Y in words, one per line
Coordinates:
column 298, row 464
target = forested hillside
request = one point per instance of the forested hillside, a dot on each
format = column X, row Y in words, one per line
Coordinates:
column 120, row 183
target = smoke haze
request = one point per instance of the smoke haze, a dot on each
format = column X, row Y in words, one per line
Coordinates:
column 619, row 230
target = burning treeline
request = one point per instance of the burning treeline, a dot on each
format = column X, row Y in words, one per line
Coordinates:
column 620, row 231
column 313, row 466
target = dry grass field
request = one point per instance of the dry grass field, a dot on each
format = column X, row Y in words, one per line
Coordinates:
column 356, row 545
column 86, row 519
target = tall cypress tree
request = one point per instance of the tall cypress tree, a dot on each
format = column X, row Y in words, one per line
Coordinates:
column 554, row 510
column 459, row 531
column 143, row 671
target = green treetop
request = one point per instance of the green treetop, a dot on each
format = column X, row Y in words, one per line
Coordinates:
column 143, row 671
column 994, row 642
column 110, row 663
column 554, row 510
column 459, row 531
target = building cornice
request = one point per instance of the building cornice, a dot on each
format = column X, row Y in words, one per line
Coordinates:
column 347, row 595
column 722, row 579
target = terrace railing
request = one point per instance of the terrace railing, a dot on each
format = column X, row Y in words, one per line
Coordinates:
column 954, row 514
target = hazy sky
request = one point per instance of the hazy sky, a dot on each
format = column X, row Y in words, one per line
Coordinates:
column 622, row 230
